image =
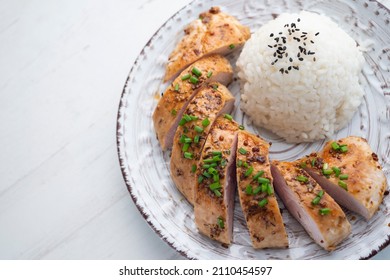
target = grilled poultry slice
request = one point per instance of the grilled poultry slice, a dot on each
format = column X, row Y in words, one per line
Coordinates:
column 256, row 193
column 175, row 99
column 190, row 136
column 216, row 182
column 213, row 32
column 315, row 210
column 350, row 172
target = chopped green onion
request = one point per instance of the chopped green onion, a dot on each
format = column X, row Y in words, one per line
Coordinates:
column 185, row 77
column 336, row 171
column 239, row 163
column 187, row 140
column 194, row 118
column 227, row 116
column 262, row 180
column 185, row 129
column 216, row 153
column 264, row 187
column 177, row 87
column 220, row 222
column 343, row 185
column 185, row 147
column 249, row 171
column 215, row 86
column 196, row 139
column 313, row 162
column 242, row 151
column 223, row 162
column 200, row 179
column 205, row 122
column 217, row 193
column 215, row 186
column 343, row 177
column 187, row 118
column 270, row 189
column 343, row 148
column 263, row 202
column 303, row 165
column 257, row 190
column 182, row 122
column 193, row 168
column 327, row 171
column 245, row 164
column 217, row 158
column 232, row 46
column 196, row 72
column 302, row 178
column 335, row 146
column 216, row 178
column 173, row 112
column 325, row 166
column 258, row 174
column 198, row 129
column 209, row 74
column 249, row 189
column 316, row 200
column 324, row 211
column 212, row 170
column 320, row 193
column 188, row 155
column 194, row 80
column 241, row 127
column 207, row 175
column 182, row 139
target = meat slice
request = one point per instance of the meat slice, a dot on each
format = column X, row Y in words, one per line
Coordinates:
column 256, row 193
column 315, row 210
column 350, row 172
column 175, row 99
column 213, row 32
column 216, row 182
column 190, row 136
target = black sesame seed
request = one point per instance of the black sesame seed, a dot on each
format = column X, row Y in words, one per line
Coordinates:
column 314, row 59
column 303, row 36
column 300, row 59
column 281, row 70
column 297, row 29
column 298, row 19
column 275, row 46
column 280, row 56
column 311, row 41
column 310, row 53
column 280, row 33
column 296, row 67
column 286, row 54
column 304, row 32
column 270, row 46
column 271, row 35
column 289, row 68
column 274, row 54
column 277, row 39
column 286, row 72
column 317, row 33
column 291, row 60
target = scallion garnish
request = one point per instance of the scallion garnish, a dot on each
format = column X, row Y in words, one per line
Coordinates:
column 249, row 171
column 209, row 74
column 173, row 112
column 257, row 190
column 262, row 180
column 343, row 148
column 198, row 129
column 207, row 175
column 212, row 170
column 196, row 72
column 302, row 178
column 216, row 178
column 242, row 151
column 215, row 86
column 220, row 222
column 200, row 179
column 343, row 185
column 241, row 127
column 324, row 211
column 188, row 155
column 258, row 174
column 193, row 168
column 325, row 166
column 270, row 189
column 313, row 162
column 249, row 189
column 303, row 165
column 264, row 187
column 182, row 139
column 336, row 171
column 216, row 153
column 227, row 116
column 196, row 138
column 217, row 193
column 232, row 46
column 223, row 162
column 263, row 202
column 185, row 77
column 320, row 193
column 194, row 80
column 185, row 147
column 327, row 171
column 343, row 177
column 335, row 146
column 239, row 163
column 177, row 87
column 205, row 122
column 316, row 200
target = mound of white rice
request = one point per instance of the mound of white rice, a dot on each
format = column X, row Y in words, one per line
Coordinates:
column 299, row 77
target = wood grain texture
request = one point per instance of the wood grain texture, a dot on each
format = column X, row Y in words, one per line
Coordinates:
column 63, row 65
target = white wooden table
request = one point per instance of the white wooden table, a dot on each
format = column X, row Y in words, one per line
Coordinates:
column 63, row 65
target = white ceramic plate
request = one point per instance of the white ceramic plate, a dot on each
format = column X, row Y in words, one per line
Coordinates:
column 146, row 169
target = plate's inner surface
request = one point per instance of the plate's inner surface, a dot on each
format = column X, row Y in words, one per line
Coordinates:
column 146, row 168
